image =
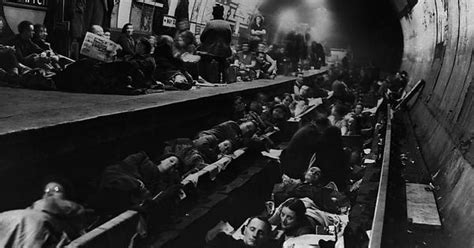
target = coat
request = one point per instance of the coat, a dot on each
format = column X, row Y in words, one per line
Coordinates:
column 128, row 45
column 47, row 223
column 296, row 156
column 216, row 38
column 128, row 183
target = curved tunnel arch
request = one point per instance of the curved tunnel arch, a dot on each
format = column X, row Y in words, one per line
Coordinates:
column 431, row 40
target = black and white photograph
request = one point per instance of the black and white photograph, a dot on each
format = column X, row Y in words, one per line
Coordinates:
column 237, row 123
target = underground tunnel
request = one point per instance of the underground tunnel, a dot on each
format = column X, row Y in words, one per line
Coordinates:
column 78, row 134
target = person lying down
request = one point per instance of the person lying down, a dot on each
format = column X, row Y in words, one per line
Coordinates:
column 294, row 221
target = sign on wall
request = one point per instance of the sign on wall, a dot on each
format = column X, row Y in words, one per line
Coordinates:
column 169, row 21
column 28, row 3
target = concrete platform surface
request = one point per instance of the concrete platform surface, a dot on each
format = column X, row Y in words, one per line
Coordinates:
column 23, row 109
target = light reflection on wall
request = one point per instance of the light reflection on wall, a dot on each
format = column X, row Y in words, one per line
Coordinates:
column 311, row 14
column 288, row 20
column 322, row 25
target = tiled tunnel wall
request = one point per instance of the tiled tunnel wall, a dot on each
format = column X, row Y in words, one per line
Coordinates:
column 438, row 47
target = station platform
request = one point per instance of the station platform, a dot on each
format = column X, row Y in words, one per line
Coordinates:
column 24, row 109
column 77, row 135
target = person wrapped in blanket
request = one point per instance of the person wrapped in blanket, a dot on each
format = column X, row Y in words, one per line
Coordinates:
column 300, row 224
column 324, row 195
column 223, row 139
column 136, row 179
column 52, row 221
column 192, row 159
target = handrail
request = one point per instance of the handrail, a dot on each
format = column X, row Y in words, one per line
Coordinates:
column 379, row 213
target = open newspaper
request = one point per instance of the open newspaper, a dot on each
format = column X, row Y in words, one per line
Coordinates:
column 98, row 47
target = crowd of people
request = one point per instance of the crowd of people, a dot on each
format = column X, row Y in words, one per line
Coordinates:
column 318, row 176
column 320, row 172
column 149, row 64
column 318, row 180
column 317, row 167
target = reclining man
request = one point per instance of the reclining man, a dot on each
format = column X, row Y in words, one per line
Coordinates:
column 256, row 233
column 223, row 139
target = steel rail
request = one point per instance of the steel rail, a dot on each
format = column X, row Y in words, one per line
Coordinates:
column 379, row 213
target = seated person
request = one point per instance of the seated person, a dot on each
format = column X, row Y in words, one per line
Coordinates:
column 245, row 61
column 107, row 34
column 185, row 43
column 265, row 66
column 144, row 62
column 305, row 93
column 295, row 158
column 263, row 99
column 298, row 83
column 239, row 109
column 397, row 84
column 112, row 54
column 52, row 221
column 184, row 49
column 58, row 62
column 338, row 118
column 134, row 180
column 255, row 233
column 291, row 220
column 277, row 116
column 288, row 101
column 98, row 30
column 39, row 37
column 27, row 52
column 170, row 70
column 9, row 66
column 126, row 41
column 341, row 93
column 282, row 60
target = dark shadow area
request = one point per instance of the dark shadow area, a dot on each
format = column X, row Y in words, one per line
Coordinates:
column 370, row 28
